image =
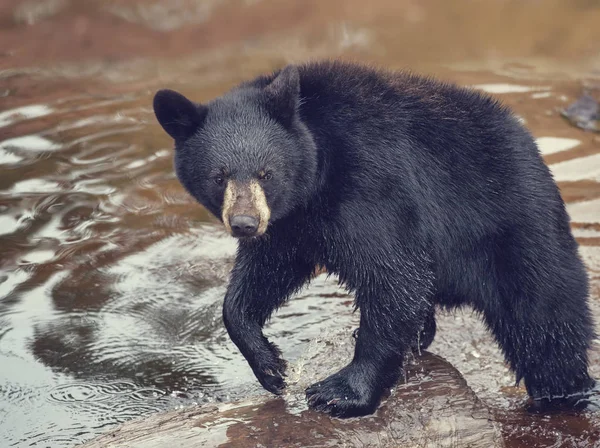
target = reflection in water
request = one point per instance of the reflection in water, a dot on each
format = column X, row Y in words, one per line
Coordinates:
column 23, row 113
column 508, row 88
column 111, row 278
column 551, row 145
column 578, row 169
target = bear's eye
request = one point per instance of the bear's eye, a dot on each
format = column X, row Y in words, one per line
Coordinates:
column 265, row 175
column 219, row 180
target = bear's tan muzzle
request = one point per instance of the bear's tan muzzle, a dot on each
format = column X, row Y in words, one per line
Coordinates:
column 245, row 210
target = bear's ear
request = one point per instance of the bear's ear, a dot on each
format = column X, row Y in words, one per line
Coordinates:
column 178, row 115
column 283, row 95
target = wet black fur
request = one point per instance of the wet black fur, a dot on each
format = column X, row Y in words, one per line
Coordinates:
column 412, row 191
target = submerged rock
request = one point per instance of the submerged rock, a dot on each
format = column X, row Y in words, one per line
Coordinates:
column 434, row 407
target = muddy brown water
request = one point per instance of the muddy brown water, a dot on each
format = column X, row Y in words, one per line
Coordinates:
column 111, row 278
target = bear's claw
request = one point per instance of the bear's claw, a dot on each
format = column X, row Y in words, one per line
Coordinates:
column 273, row 383
column 338, row 397
column 271, row 372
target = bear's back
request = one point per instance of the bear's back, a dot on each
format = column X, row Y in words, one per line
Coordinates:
column 461, row 155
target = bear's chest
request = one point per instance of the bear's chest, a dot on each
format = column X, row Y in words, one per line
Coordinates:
column 318, row 241
column 324, row 252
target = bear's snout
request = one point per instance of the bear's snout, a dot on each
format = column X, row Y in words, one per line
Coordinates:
column 243, row 225
column 245, row 211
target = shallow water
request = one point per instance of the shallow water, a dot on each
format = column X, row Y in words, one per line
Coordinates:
column 111, row 277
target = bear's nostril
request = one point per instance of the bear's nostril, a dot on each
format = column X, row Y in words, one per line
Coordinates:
column 243, row 225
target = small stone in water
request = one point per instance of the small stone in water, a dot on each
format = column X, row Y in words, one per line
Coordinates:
column 584, row 113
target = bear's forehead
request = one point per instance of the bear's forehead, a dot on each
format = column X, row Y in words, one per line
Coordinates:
column 240, row 116
column 239, row 128
column 238, row 133
column 238, row 103
column 235, row 133
column 238, row 145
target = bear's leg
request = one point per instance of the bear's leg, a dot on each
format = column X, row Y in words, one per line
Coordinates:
column 261, row 281
column 392, row 314
column 551, row 357
column 545, row 336
column 425, row 336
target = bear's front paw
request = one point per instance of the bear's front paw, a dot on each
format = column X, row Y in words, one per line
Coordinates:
column 269, row 369
column 344, row 394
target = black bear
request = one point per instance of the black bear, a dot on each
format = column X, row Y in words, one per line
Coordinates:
column 414, row 192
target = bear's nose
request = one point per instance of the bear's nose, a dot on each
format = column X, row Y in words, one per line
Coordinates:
column 243, row 225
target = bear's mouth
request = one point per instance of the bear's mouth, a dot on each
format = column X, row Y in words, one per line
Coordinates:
column 245, row 212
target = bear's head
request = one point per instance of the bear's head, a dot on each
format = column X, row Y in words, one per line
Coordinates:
column 246, row 156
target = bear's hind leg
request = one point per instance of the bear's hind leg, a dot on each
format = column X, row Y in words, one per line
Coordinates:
column 536, row 305
column 545, row 345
